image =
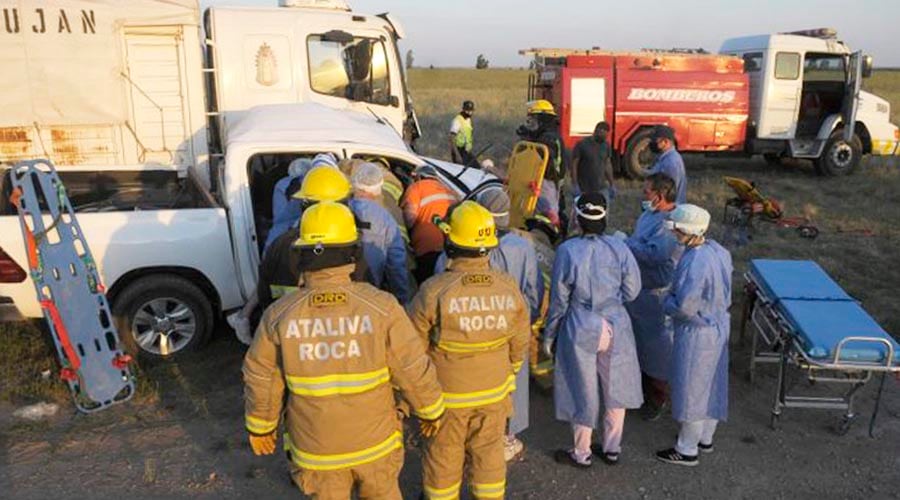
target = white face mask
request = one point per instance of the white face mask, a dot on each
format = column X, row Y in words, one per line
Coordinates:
column 647, row 205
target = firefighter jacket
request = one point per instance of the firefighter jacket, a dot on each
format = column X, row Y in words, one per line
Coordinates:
column 337, row 347
column 476, row 323
column 423, row 200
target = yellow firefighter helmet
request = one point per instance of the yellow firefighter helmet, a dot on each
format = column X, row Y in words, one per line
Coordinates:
column 541, row 106
column 326, row 224
column 324, row 183
column 471, row 227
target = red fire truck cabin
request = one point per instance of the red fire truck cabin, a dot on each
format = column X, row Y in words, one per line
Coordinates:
column 703, row 97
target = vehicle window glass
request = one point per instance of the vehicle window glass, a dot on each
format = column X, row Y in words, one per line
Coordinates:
column 787, row 66
column 753, row 62
column 356, row 70
column 824, row 68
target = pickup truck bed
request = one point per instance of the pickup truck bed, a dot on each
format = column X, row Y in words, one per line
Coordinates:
column 139, row 225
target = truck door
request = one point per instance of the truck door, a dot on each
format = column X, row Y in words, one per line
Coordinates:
column 782, row 97
column 851, row 94
column 587, row 100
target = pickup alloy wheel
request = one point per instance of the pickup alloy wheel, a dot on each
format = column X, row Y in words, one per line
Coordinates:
column 162, row 316
column 163, row 326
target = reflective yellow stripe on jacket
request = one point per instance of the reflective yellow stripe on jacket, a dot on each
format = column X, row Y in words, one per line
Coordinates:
column 395, row 192
column 279, row 291
column 489, row 490
column 480, row 398
column 260, row 426
column 342, row 383
column 432, row 411
column 467, row 347
column 311, row 461
column 448, row 493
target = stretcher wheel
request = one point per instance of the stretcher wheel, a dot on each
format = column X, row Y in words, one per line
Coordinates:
column 773, row 420
column 808, row 232
column 844, row 425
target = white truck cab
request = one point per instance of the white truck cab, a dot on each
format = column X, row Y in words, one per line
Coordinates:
column 806, row 102
column 307, row 51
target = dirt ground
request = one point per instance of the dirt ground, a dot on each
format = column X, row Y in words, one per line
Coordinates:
column 189, row 442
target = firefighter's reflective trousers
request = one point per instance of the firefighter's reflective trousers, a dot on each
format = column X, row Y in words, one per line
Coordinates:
column 377, row 480
column 476, row 432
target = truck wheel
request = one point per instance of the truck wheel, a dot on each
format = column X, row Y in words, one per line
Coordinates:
column 638, row 158
column 162, row 316
column 839, row 156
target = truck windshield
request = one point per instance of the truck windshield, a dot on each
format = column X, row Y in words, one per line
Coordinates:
column 356, row 69
column 823, row 68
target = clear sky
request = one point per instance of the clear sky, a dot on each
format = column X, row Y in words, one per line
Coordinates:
column 454, row 32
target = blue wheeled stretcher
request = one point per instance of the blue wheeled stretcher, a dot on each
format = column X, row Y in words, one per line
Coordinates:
column 803, row 318
column 69, row 289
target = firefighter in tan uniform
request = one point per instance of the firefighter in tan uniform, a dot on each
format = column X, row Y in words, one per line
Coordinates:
column 337, row 347
column 476, row 323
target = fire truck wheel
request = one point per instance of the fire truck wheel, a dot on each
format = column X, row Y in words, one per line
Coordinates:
column 839, row 156
column 638, row 158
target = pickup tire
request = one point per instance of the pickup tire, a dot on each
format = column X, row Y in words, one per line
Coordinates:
column 839, row 156
column 162, row 316
column 638, row 158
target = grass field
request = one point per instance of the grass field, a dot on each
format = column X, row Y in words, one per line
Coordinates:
column 857, row 215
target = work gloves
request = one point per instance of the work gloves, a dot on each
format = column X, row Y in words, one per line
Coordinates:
column 548, row 346
column 429, row 428
column 263, row 444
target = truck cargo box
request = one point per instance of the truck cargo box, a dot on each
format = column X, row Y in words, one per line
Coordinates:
column 104, row 82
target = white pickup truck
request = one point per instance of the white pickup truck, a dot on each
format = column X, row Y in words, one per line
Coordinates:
column 170, row 126
column 173, row 255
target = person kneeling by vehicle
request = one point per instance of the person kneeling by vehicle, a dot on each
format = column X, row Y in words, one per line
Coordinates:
column 698, row 304
column 337, row 347
column 593, row 276
column 475, row 323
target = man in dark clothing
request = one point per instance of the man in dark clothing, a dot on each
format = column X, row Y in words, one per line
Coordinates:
column 542, row 125
column 592, row 164
column 279, row 272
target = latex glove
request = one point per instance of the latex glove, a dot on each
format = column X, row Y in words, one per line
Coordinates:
column 613, row 193
column 263, row 445
column 549, row 347
column 429, row 428
column 241, row 326
column 620, row 235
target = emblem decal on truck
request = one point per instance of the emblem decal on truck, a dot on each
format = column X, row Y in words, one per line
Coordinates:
column 266, row 66
column 681, row 95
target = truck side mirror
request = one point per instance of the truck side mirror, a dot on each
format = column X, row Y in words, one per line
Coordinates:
column 867, row 66
column 394, row 101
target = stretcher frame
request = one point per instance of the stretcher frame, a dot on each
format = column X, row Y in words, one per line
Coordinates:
column 66, row 279
column 776, row 341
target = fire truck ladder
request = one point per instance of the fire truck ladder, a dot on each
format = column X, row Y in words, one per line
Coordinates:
column 69, row 290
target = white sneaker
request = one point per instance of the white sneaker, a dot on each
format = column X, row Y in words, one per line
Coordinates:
column 513, row 449
column 241, row 326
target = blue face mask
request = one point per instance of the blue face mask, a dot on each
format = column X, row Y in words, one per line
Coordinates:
column 647, row 205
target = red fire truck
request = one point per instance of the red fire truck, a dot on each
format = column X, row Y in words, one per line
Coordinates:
column 703, row 97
